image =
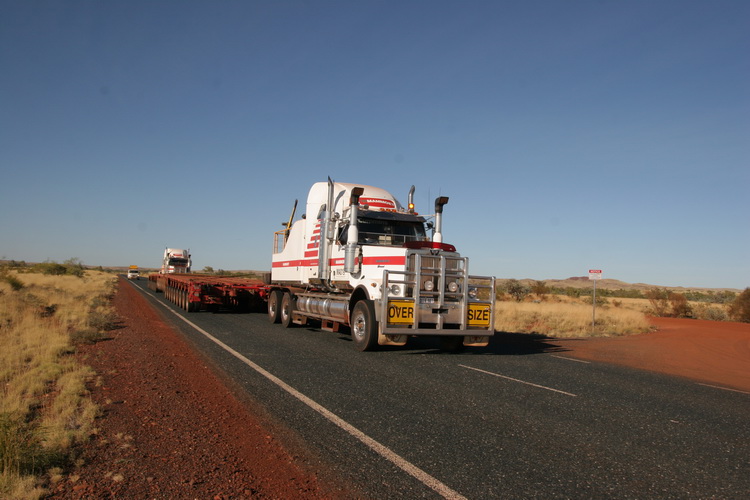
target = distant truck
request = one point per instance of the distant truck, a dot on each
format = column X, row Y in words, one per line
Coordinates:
column 175, row 261
column 360, row 259
column 134, row 273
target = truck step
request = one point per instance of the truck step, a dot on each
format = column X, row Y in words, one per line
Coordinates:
column 330, row 326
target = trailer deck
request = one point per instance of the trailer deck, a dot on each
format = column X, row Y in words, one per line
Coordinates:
column 194, row 292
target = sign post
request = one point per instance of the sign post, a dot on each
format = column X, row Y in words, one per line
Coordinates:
column 594, row 275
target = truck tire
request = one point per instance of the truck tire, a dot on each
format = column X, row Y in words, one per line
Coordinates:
column 274, row 306
column 364, row 327
column 288, row 304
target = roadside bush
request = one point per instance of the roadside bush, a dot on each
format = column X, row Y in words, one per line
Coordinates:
column 540, row 289
column 669, row 304
column 739, row 310
column 659, row 300
column 73, row 267
column 680, row 306
column 103, row 321
column 516, row 289
column 51, row 269
column 710, row 312
column 600, row 301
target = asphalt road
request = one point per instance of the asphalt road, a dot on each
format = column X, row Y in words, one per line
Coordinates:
column 515, row 419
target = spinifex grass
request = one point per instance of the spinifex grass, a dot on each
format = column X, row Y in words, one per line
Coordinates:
column 567, row 319
column 44, row 407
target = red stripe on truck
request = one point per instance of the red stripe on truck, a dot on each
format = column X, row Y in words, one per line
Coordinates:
column 398, row 260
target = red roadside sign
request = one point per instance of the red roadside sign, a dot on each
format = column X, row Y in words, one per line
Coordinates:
column 595, row 274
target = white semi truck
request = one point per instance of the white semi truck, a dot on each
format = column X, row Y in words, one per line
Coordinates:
column 358, row 258
column 176, row 260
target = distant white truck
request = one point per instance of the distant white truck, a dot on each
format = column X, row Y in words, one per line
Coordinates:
column 176, row 260
column 134, row 273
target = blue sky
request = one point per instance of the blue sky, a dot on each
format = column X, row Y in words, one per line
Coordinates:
column 568, row 135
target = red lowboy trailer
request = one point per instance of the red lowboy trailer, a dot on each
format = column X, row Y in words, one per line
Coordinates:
column 193, row 292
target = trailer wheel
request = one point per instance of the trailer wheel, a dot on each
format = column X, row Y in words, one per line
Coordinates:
column 194, row 306
column 287, row 309
column 274, row 306
column 364, row 327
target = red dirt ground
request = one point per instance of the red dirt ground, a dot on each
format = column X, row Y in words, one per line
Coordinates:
column 171, row 429
column 712, row 352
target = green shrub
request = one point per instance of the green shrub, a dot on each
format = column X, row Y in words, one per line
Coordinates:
column 516, row 289
column 51, row 269
column 710, row 312
column 600, row 301
column 540, row 289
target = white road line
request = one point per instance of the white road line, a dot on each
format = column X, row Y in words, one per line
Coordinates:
column 519, row 381
column 723, row 388
column 382, row 450
column 571, row 359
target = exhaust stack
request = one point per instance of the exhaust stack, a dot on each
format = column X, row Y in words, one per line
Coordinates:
column 324, row 267
column 411, row 200
column 352, row 235
column 437, row 234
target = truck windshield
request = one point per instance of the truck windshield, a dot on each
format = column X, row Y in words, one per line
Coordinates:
column 178, row 262
column 389, row 231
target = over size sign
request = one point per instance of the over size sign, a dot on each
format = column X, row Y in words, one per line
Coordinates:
column 401, row 312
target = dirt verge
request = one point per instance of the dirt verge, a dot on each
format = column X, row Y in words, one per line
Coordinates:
column 171, row 429
column 713, row 352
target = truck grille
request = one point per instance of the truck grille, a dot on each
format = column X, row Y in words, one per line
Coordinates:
column 436, row 279
column 435, row 295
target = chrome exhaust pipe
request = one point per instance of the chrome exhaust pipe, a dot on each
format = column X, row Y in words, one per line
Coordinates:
column 411, row 200
column 352, row 235
column 437, row 235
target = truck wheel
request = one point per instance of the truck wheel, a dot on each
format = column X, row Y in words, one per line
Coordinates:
column 274, row 306
column 287, row 309
column 364, row 327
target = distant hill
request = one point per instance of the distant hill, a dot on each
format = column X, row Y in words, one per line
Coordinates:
column 611, row 284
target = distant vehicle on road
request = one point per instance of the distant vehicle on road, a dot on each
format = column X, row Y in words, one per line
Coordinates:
column 134, row 273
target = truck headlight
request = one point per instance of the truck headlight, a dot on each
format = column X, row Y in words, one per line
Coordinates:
column 429, row 285
column 472, row 292
column 395, row 290
column 453, row 286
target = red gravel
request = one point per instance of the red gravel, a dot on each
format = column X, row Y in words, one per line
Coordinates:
column 171, row 429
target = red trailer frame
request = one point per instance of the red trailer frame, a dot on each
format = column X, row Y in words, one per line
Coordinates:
column 194, row 292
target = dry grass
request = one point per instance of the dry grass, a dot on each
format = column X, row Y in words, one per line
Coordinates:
column 44, row 408
column 700, row 310
column 568, row 319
